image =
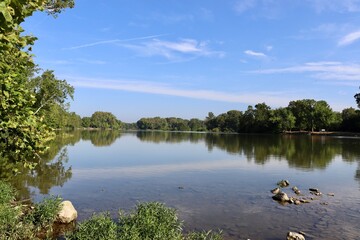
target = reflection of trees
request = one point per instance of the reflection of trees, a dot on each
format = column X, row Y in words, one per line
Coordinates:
column 307, row 152
column 50, row 169
column 169, row 137
column 100, row 138
column 299, row 151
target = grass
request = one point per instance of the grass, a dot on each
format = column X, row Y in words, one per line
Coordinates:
column 23, row 222
column 148, row 221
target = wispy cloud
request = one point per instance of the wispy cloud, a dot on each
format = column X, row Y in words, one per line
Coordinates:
column 244, row 5
column 255, row 54
column 335, row 5
column 112, row 41
column 322, row 70
column 274, row 99
column 174, row 50
column 269, row 48
column 349, row 38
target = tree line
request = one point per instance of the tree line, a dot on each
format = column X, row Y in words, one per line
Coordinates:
column 299, row 115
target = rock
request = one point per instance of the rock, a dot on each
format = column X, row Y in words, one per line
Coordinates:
column 296, row 190
column 315, row 190
column 67, row 213
column 331, row 194
column 295, row 236
column 297, row 202
column 281, row 196
column 304, row 201
column 275, row 190
column 283, row 183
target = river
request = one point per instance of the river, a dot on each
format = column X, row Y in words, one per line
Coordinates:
column 215, row 181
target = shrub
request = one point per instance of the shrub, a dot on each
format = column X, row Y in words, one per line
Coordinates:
column 204, row 236
column 7, row 193
column 98, row 227
column 45, row 212
column 150, row 221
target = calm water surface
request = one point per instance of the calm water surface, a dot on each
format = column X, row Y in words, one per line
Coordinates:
column 214, row 181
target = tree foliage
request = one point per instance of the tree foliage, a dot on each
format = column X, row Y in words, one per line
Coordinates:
column 21, row 130
column 104, row 120
column 357, row 98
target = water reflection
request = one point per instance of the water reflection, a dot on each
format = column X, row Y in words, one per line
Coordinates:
column 101, row 138
column 49, row 171
column 300, row 152
column 169, row 137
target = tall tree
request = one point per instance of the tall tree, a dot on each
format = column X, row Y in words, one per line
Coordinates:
column 282, row 119
column 357, row 98
column 104, row 120
column 20, row 129
column 303, row 110
column 49, row 91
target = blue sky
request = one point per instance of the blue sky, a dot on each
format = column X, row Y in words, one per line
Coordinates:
column 183, row 58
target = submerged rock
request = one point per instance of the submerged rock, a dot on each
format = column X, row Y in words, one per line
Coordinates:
column 275, row 190
column 315, row 190
column 296, row 190
column 67, row 213
column 295, row 236
column 281, row 196
column 283, row 183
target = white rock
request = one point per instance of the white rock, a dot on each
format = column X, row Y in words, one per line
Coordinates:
column 295, row 236
column 67, row 213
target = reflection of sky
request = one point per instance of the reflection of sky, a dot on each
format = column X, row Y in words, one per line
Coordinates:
column 235, row 188
column 130, row 151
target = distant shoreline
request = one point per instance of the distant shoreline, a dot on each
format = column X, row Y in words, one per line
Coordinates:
column 326, row 133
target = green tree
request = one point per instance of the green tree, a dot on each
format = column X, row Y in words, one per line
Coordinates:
column 197, row 125
column 21, row 130
column 49, row 91
column 232, row 121
column 323, row 115
column 357, row 98
column 282, row 119
column 86, row 122
column 350, row 120
column 303, row 110
column 248, row 120
column 262, row 116
column 104, row 120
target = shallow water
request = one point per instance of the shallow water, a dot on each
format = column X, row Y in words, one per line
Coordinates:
column 214, row 181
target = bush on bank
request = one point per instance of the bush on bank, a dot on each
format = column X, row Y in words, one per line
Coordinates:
column 148, row 221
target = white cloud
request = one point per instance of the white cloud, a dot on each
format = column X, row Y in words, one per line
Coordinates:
column 174, row 50
column 244, row 5
column 322, row 70
column 274, row 99
column 349, row 38
column 112, row 41
column 255, row 54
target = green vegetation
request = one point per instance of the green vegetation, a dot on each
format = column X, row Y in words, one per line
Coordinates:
column 357, row 98
column 23, row 222
column 24, row 128
column 149, row 221
column 299, row 115
column 102, row 120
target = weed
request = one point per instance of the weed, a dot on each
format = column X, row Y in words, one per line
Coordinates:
column 98, row 227
column 210, row 235
column 150, row 221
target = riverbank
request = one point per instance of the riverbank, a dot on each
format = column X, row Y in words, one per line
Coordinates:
column 324, row 133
